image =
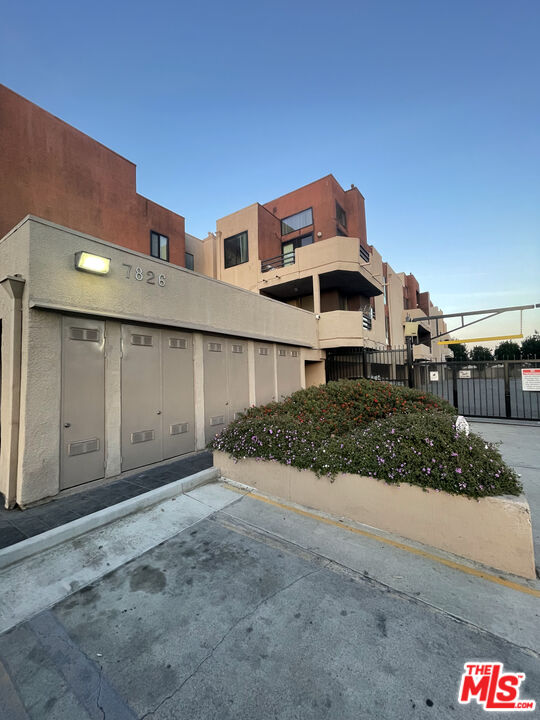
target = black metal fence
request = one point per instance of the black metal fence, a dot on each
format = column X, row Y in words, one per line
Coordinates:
column 477, row 389
column 483, row 389
column 353, row 363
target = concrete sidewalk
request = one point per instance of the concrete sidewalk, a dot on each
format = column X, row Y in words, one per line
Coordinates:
column 18, row 525
column 242, row 608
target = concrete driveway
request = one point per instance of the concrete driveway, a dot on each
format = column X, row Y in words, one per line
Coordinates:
column 228, row 605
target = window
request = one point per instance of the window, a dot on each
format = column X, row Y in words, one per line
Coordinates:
column 159, row 246
column 288, row 248
column 297, row 222
column 341, row 215
column 236, row 249
column 189, row 261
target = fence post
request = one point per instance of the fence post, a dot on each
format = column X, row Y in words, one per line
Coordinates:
column 454, row 386
column 507, row 403
column 410, row 370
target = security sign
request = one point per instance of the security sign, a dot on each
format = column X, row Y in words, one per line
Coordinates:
column 530, row 379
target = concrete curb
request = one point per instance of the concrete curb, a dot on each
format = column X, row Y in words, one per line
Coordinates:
column 494, row 531
column 60, row 534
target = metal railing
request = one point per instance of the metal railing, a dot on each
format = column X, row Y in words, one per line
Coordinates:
column 366, row 321
column 278, row 261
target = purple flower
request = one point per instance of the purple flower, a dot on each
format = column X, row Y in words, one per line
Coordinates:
column 458, row 470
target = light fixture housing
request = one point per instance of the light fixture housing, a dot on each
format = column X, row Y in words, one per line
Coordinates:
column 88, row 262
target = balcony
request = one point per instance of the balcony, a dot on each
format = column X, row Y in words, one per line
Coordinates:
column 340, row 262
column 421, row 352
column 347, row 328
column 278, row 261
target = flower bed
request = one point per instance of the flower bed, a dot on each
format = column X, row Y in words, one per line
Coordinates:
column 419, row 444
column 358, row 449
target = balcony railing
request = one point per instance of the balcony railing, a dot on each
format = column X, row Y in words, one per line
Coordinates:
column 278, row 261
column 364, row 254
column 366, row 321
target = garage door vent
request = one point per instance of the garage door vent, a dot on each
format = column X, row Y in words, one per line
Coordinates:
column 179, row 428
column 214, row 347
column 178, row 343
column 282, row 353
column 82, row 447
column 263, row 351
column 77, row 333
column 294, row 353
column 142, row 436
column 142, row 340
column 217, row 420
column 238, row 348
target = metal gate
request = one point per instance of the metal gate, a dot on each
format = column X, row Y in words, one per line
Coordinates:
column 482, row 389
column 352, row 363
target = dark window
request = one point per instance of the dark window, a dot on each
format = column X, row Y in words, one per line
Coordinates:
column 340, row 232
column 159, row 246
column 341, row 215
column 297, row 222
column 236, row 249
column 189, row 261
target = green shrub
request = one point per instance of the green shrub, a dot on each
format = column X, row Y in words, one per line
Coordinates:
column 421, row 448
column 340, row 407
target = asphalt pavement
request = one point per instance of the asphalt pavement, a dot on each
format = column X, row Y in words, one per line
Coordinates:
column 227, row 604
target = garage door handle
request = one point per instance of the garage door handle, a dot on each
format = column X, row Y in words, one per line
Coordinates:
column 158, row 412
column 66, row 425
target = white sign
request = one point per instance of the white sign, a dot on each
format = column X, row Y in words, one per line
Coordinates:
column 464, row 374
column 434, row 375
column 530, row 379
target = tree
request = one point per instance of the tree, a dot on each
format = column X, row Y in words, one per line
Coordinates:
column 530, row 347
column 460, row 352
column 480, row 353
column 508, row 350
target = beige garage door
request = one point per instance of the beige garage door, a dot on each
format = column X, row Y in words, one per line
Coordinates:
column 82, row 456
column 157, row 395
column 226, row 382
column 264, row 374
column 288, row 371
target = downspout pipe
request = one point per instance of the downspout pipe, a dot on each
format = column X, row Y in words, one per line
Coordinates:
column 14, row 286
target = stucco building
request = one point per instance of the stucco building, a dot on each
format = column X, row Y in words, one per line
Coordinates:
column 309, row 249
column 125, row 341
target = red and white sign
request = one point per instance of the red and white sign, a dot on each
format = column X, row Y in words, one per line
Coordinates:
column 490, row 686
column 530, row 379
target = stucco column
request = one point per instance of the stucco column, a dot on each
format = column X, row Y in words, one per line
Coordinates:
column 251, row 372
column 302, row 370
column 11, row 387
column 113, row 398
column 316, row 294
column 198, row 390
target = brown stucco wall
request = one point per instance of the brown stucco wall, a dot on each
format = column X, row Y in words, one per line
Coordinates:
column 322, row 196
column 58, row 173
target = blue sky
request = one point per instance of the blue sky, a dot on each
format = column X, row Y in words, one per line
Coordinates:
column 431, row 108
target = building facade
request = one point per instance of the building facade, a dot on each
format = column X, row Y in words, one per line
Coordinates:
column 55, row 172
column 309, row 249
column 125, row 341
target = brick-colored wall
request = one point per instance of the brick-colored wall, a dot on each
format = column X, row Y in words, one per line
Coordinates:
column 322, row 196
column 51, row 170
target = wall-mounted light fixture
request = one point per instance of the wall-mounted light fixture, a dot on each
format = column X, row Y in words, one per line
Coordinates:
column 87, row 262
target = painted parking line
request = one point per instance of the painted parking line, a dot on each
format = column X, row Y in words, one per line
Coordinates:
column 394, row 543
